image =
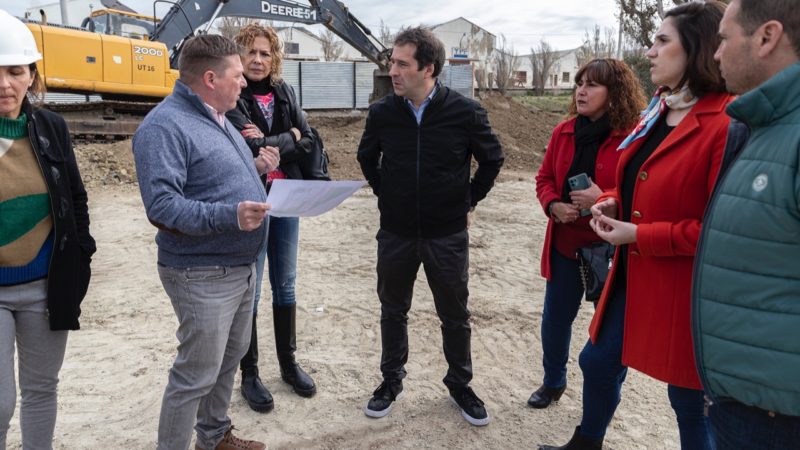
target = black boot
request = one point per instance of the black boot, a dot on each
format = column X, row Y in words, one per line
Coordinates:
column 253, row 391
column 578, row 442
column 544, row 396
column 285, row 343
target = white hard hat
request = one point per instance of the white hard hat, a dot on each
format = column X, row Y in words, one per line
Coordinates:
column 17, row 48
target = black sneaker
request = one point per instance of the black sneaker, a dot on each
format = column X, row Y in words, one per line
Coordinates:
column 471, row 406
column 381, row 402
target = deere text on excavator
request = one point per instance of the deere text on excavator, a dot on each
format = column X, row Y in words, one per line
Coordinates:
column 130, row 59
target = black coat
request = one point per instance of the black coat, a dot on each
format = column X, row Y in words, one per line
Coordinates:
column 288, row 115
column 69, row 271
column 421, row 173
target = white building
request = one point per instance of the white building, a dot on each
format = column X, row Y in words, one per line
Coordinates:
column 561, row 74
column 303, row 43
column 465, row 42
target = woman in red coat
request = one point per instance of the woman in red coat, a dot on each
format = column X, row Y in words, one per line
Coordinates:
column 664, row 179
column 586, row 143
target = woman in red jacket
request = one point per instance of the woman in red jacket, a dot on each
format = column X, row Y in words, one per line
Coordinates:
column 664, row 179
column 586, row 143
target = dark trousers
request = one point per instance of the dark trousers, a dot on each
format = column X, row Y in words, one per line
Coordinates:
column 562, row 299
column 738, row 426
column 603, row 375
column 446, row 263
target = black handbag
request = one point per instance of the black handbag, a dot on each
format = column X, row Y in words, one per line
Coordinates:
column 314, row 166
column 594, row 263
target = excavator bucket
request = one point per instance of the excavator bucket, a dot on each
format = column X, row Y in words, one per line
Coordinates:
column 381, row 85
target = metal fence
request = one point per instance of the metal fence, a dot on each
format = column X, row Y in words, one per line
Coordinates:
column 327, row 85
column 348, row 85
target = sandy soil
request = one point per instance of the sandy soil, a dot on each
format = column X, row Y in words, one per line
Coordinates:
column 116, row 366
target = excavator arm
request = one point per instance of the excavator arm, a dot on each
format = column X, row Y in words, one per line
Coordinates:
column 187, row 16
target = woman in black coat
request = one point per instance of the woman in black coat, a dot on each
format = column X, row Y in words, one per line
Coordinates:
column 45, row 245
column 268, row 115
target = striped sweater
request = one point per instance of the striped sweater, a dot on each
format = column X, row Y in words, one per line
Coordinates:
column 26, row 224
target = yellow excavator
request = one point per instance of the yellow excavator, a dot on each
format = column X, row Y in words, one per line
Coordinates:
column 112, row 56
column 130, row 59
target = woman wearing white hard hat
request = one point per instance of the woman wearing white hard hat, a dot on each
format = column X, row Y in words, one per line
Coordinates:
column 45, row 245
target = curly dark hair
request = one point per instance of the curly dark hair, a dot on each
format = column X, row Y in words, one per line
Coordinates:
column 626, row 99
column 249, row 33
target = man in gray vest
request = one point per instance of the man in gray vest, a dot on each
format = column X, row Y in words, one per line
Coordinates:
column 746, row 296
column 201, row 188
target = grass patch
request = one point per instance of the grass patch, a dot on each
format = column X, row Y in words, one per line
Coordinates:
column 550, row 103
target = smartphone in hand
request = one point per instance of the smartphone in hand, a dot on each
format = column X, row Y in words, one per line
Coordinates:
column 578, row 183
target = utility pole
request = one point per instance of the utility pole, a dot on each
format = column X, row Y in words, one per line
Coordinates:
column 64, row 14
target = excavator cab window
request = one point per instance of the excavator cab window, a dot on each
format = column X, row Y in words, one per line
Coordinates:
column 110, row 22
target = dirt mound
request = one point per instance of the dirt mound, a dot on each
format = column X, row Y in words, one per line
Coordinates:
column 522, row 132
column 104, row 164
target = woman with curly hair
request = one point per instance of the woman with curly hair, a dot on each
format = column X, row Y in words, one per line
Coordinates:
column 605, row 105
column 269, row 115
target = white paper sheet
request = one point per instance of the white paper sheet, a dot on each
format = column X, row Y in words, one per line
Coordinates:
column 307, row 198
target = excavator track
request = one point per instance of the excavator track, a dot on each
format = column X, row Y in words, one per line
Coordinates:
column 103, row 121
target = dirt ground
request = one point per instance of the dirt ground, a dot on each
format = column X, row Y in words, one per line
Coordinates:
column 116, row 367
column 522, row 132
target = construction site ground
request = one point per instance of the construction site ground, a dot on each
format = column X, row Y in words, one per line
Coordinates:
column 116, row 366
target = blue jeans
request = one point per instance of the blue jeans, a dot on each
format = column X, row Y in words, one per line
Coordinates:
column 281, row 252
column 693, row 425
column 562, row 299
column 214, row 307
column 738, row 426
column 603, row 375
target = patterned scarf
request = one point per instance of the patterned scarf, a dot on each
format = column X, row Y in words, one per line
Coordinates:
column 663, row 100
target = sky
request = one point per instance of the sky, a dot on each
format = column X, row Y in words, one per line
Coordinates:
column 523, row 22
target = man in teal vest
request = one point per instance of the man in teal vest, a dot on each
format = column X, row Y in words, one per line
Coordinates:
column 746, row 296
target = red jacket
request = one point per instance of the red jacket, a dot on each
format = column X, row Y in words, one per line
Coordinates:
column 552, row 176
column 669, row 199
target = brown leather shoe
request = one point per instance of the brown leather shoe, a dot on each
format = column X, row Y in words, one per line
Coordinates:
column 231, row 442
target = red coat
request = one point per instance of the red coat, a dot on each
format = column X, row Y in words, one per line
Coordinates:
column 669, row 200
column 553, row 173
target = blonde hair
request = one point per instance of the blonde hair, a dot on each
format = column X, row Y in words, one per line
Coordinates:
column 248, row 35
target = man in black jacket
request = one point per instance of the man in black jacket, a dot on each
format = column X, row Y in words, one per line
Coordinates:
column 416, row 152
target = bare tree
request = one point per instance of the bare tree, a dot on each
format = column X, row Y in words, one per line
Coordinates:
column 230, row 26
column 385, row 34
column 597, row 45
column 332, row 47
column 505, row 62
column 542, row 60
column 640, row 18
column 536, row 74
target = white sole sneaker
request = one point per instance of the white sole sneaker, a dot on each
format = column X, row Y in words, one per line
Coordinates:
column 382, row 413
column 472, row 420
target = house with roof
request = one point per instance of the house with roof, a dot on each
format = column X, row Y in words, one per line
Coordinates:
column 465, row 42
column 304, row 44
column 561, row 75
